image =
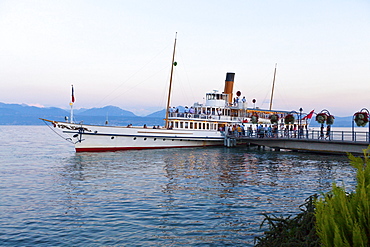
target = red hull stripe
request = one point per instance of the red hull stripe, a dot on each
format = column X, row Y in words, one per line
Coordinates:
column 112, row 149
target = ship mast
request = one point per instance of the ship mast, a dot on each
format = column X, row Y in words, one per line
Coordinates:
column 273, row 86
column 170, row 87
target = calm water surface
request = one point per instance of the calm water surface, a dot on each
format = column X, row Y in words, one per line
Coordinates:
column 52, row 196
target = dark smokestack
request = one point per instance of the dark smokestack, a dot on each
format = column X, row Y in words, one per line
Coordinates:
column 229, row 85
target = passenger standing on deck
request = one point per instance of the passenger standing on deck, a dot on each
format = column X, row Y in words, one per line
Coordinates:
column 261, row 131
column 230, row 131
column 300, row 131
column 239, row 130
column 275, row 131
column 321, row 132
column 250, row 131
column 269, row 131
column 295, row 131
column 306, row 131
column 244, row 101
column 186, row 111
column 266, row 130
column 286, row 131
column 291, row 130
column 192, row 111
column 327, row 132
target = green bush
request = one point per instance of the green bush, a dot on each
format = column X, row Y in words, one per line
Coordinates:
column 296, row 231
column 343, row 219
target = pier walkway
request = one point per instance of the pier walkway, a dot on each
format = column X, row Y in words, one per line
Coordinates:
column 309, row 141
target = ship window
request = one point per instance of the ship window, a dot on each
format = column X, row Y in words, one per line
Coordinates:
column 112, row 137
column 134, row 138
column 164, row 139
column 204, row 126
column 176, row 124
column 186, row 125
column 181, row 125
column 144, row 139
column 207, row 126
column 191, row 125
column 155, row 139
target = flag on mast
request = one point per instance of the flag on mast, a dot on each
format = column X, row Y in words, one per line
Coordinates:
column 309, row 115
column 73, row 95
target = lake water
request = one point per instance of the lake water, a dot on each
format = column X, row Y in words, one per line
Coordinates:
column 52, row 196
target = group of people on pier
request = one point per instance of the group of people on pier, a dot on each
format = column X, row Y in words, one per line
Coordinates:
column 270, row 131
column 328, row 130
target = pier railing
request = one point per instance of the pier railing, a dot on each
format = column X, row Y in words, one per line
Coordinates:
column 352, row 136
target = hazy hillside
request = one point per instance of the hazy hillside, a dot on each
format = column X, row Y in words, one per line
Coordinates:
column 11, row 109
column 161, row 113
column 106, row 111
column 21, row 114
column 15, row 114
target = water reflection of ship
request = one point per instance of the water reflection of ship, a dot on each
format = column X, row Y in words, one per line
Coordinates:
column 203, row 167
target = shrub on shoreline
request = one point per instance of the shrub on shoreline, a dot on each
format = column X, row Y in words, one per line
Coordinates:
column 335, row 219
column 296, row 231
column 343, row 219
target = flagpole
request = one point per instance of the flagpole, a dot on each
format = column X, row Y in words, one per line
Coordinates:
column 71, row 117
column 71, row 104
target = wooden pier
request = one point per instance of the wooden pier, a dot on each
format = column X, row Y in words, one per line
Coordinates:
column 339, row 142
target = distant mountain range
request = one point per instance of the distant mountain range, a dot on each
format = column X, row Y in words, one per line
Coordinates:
column 22, row 114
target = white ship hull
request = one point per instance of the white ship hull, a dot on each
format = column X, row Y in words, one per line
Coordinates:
column 90, row 138
column 198, row 126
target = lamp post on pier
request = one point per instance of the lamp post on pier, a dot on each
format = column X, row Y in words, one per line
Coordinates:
column 361, row 118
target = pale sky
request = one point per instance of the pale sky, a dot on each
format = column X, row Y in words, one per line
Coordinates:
column 119, row 52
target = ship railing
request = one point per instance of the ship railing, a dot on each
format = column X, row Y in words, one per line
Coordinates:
column 202, row 116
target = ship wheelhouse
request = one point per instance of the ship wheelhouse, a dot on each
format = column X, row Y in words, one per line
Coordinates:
column 217, row 99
